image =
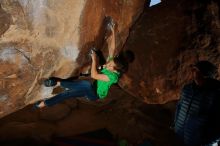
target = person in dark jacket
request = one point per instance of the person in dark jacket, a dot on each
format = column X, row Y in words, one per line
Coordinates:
column 197, row 118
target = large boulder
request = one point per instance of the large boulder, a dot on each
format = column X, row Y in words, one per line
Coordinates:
column 167, row 39
column 51, row 38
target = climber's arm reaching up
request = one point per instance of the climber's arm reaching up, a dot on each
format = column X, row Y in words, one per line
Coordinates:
column 111, row 43
column 94, row 72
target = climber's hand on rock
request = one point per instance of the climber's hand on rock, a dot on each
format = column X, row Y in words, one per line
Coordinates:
column 93, row 55
column 112, row 29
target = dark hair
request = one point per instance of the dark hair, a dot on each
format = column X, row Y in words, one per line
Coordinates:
column 122, row 60
column 128, row 55
column 120, row 64
column 207, row 68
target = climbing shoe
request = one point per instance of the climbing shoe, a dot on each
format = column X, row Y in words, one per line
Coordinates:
column 50, row 82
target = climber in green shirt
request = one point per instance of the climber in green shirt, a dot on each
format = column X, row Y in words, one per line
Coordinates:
column 108, row 76
column 111, row 70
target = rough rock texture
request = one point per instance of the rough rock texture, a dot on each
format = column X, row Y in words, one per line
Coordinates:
column 44, row 38
column 202, row 40
column 166, row 40
column 126, row 118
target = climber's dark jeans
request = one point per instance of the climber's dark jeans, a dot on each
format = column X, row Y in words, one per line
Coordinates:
column 73, row 89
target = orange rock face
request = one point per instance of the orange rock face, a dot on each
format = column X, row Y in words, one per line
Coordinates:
column 166, row 40
column 42, row 38
column 51, row 38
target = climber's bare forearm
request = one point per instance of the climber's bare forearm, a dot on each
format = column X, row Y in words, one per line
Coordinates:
column 94, row 73
column 112, row 43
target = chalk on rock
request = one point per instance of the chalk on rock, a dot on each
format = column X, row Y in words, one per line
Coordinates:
column 110, row 22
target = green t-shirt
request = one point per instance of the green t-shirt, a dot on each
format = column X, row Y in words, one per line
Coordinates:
column 103, row 86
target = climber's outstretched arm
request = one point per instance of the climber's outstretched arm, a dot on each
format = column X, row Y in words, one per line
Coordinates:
column 94, row 73
column 111, row 44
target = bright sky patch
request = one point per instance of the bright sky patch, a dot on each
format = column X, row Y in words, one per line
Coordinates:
column 154, row 2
